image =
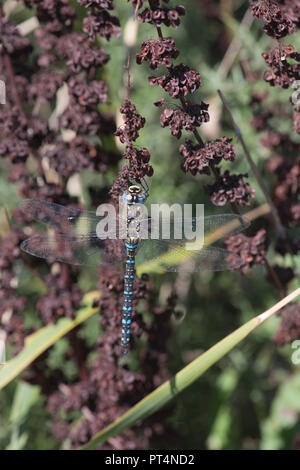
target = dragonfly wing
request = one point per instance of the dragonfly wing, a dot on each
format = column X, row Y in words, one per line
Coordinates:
column 166, row 255
column 213, row 227
column 223, row 224
column 76, row 250
column 62, row 219
column 70, row 220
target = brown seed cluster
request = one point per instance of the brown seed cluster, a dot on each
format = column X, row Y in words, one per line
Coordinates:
column 284, row 63
column 289, row 328
column 281, row 19
column 179, row 82
column 157, row 52
column 252, row 250
column 199, row 159
column 159, row 16
column 230, row 188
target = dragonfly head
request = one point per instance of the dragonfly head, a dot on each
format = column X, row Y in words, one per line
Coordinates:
column 134, row 195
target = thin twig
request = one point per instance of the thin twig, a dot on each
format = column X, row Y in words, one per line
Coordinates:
column 138, row 5
column 280, row 229
column 127, row 68
column 238, row 133
column 37, row 275
column 182, row 100
column 276, row 280
column 79, row 354
column 233, row 204
column 195, row 131
column 234, row 47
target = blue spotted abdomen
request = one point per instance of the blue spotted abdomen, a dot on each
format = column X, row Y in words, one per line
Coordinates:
column 128, row 296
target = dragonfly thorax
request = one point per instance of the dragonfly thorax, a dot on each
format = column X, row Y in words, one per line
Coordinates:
column 134, row 195
column 132, row 241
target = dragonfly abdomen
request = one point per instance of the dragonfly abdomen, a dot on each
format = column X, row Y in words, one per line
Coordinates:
column 128, row 296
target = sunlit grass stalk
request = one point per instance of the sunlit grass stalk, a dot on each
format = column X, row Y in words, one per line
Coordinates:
column 184, row 378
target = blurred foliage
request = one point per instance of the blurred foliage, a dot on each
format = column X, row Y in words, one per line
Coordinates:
column 249, row 399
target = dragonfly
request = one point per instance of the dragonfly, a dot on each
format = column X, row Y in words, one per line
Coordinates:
column 72, row 237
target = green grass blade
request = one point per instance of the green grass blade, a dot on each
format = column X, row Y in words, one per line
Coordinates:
column 25, row 397
column 163, row 394
column 38, row 342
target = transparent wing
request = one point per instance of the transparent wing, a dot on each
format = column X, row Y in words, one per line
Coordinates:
column 166, row 255
column 68, row 220
column 61, row 218
column 214, row 227
column 72, row 221
column 76, row 250
column 158, row 255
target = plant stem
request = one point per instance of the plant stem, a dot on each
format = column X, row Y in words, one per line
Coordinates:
column 79, row 354
column 280, row 229
column 182, row 100
column 235, row 46
column 195, row 131
column 276, row 219
column 158, row 28
column 276, row 279
column 233, row 204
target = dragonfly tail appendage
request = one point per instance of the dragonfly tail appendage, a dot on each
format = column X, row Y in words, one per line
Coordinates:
column 128, row 297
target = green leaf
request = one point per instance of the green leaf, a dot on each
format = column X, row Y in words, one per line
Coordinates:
column 38, row 342
column 163, row 394
column 222, row 424
column 283, row 421
column 24, row 398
